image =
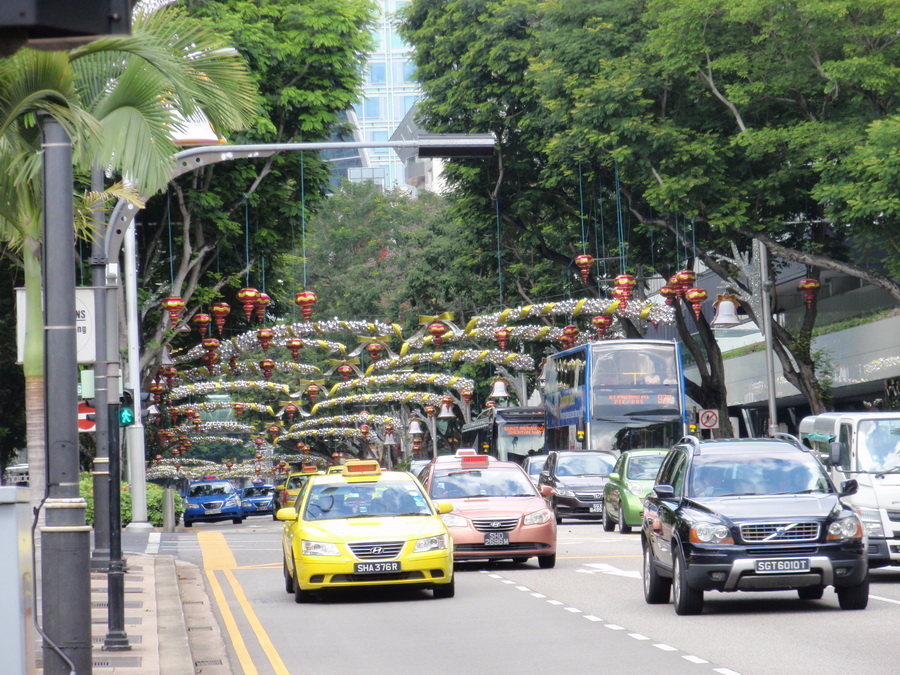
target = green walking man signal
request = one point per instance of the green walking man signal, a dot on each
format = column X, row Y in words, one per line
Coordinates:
column 126, row 409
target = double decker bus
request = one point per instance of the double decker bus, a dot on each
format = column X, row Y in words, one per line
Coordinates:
column 509, row 434
column 615, row 395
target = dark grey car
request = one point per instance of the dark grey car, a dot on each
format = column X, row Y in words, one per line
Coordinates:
column 573, row 482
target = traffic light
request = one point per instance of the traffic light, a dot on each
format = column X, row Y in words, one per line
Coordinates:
column 126, row 408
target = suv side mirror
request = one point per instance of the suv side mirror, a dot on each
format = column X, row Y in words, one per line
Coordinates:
column 849, row 487
column 837, row 452
column 664, row 491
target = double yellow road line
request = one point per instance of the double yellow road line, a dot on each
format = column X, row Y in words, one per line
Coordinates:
column 218, row 559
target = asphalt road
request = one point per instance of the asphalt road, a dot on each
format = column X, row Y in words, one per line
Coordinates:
column 587, row 615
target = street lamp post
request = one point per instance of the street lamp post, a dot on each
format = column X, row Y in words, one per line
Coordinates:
column 762, row 255
column 122, row 220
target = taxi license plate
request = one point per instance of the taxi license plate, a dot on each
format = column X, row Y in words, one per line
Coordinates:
column 213, row 511
column 782, row 565
column 496, row 538
column 596, row 508
column 376, row 567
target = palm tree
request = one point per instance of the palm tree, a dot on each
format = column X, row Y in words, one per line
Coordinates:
column 120, row 99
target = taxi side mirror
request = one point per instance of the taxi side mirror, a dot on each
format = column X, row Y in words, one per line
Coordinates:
column 287, row 513
column 279, row 487
column 546, row 491
column 444, row 507
column 614, row 476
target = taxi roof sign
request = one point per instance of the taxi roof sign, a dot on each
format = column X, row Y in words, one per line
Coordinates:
column 473, row 460
column 309, row 468
column 362, row 467
column 463, row 452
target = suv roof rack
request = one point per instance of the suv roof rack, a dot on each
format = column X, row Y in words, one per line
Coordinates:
column 689, row 440
column 790, row 438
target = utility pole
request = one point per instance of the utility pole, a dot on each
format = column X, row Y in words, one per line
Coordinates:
column 65, row 539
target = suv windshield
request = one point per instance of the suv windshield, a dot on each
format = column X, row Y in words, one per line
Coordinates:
column 756, row 473
column 494, row 482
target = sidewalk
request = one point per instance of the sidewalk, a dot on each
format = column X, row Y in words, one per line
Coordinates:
column 169, row 621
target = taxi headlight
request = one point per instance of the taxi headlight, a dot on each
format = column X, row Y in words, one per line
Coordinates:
column 318, row 548
column 453, row 520
column 232, row 501
column 193, row 507
column 845, row 528
column 431, row 544
column 711, row 533
column 636, row 489
column 247, row 504
column 871, row 520
column 538, row 517
column 563, row 492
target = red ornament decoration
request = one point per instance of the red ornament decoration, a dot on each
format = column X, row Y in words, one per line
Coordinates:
column 364, row 430
column 220, row 312
column 229, row 464
column 295, row 345
column 374, row 350
column 491, row 404
column 466, row 395
column 175, row 412
column 267, row 366
column 675, row 284
column 584, row 264
column 429, row 410
column 437, row 331
column 686, row 279
column 260, row 305
column 259, row 442
column 210, row 359
column 238, row 409
column 248, row 297
column 202, row 322
column 388, row 427
column 669, row 293
column 174, row 306
column 232, row 363
column 169, row 372
column 274, row 430
column 695, row 296
column 345, row 370
column 502, row 336
column 571, row 333
column 210, row 344
column 157, row 388
column 809, row 288
column 197, row 422
column 312, row 391
column 265, row 337
column 624, row 288
column 601, row 323
column 305, row 301
column 290, row 410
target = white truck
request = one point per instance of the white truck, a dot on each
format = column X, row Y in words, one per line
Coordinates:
column 864, row 447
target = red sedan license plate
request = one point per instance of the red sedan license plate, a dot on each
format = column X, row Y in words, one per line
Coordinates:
column 782, row 565
column 376, row 567
column 496, row 538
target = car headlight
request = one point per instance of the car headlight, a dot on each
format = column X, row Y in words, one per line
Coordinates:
column 431, row 544
column 711, row 533
column 845, row 528
column 453, row 520
column 318, row 548
column 538, row 517
column 193, row 507
column 636, row 489
column 871, row 520
column 247, row 504
column 232, row 501
column 563, row 492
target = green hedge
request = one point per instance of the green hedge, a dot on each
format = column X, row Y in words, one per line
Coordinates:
column 155, row 495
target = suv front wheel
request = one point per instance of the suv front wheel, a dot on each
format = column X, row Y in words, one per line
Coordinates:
column 687, row 600
column 657, row 589
column 854, row 597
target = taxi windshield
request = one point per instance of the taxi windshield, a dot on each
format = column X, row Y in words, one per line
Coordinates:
column 206, row 489
column 490, row 482
column 356, row 500
column 259, row 491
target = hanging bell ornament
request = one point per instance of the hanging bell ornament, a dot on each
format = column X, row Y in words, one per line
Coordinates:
column 502, row 336
column 305, row 301
column 374, row 349
column 174, row 306
column 248, row 297
column 437, row 331
column 260, row 305
column 265, row 337
column 809, row 288
column 695, row 296
column 267, row 366
column 295, row 345
column 220, row 312
column 202, row 322
column 584, row 264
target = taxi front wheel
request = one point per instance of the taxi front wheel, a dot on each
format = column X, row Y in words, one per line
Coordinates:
column 446, row 590
column 300, row 596
column 288, row 579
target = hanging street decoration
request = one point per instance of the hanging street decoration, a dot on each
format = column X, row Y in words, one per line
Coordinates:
column 175, row 307
column 305, row 300
column 220, row 312
column 809, row 287
column 584, row 264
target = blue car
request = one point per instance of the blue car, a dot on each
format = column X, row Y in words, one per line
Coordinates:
column 212, row 499
column 257, row 498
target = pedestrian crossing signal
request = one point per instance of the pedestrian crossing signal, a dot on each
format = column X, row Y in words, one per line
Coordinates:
column 126, row 409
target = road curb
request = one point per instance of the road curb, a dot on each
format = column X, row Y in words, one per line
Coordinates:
column 174, row 647
column 208, row 651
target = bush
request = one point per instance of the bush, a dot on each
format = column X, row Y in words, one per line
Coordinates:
column 155, row 494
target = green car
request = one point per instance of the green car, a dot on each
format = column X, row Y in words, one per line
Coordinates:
column 631, row 479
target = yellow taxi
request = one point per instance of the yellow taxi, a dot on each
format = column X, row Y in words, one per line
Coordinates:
column 287, row 492
column 365, row 527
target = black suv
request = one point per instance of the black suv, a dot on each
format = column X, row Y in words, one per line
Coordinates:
column 573, row 482
column 750, row 515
